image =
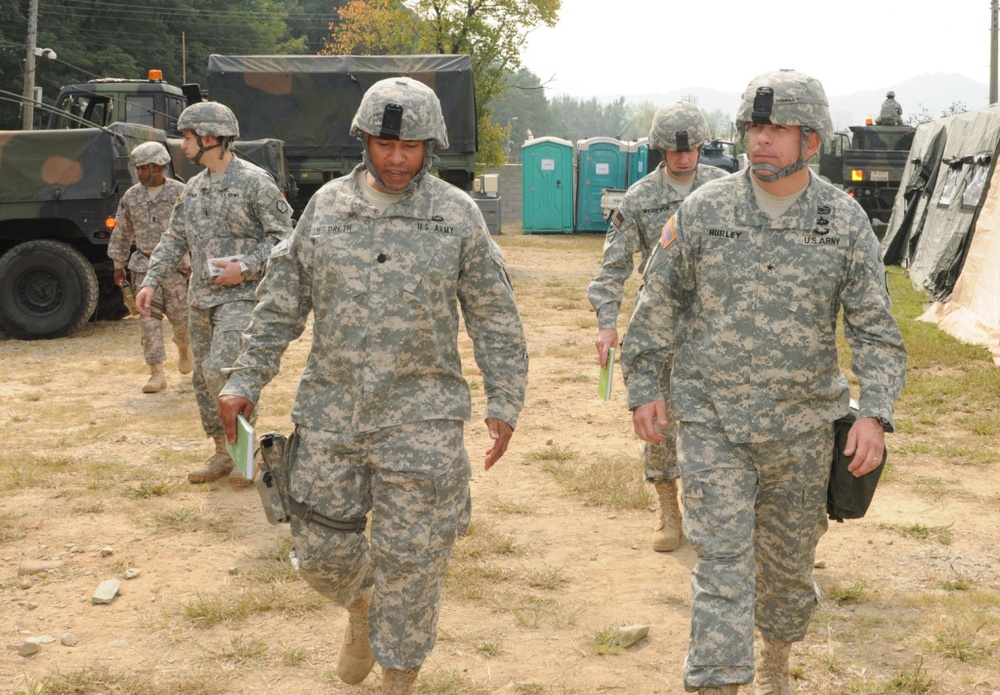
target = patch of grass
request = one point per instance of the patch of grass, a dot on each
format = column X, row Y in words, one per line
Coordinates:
column 932, row 486
column 612, row 481
column 851, row 595
column 491, row 648
column 146, row 491
column 293, row 656
column 574, row 379
column 236, row 606
column 482, row 539
column 552, row 453
column 449, row 682
column 98, row 680
column 507, row 506
column 921, row 532
column 961, row 582
column 243, row 651
column 546, row 579
column 963, row 646
column 606, row 642
column 964, row 455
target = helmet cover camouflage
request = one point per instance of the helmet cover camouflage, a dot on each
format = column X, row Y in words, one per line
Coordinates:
column 401, row 108
column 890, row 94
column 786, row 97
column 150, row 153
column 678, row 127
column 209, row 118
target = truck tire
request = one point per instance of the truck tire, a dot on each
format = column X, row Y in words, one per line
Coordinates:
column 47, row 290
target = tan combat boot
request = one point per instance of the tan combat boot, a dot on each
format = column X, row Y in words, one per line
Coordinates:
column 399, row 682
column 157, row 382
column 724, row 690
column 219, row 465
column 772, row 674
column 667, row 531
column 185, row 358
column 356, row 659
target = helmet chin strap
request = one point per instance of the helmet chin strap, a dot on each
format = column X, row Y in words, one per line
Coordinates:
column 202, row 149
column 370, row 166
column 773, row 172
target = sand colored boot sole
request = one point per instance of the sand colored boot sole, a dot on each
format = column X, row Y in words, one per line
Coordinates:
column 157, row 381
column 667, row 531
column 356, row 659
column 219, row 465
column 399, row 682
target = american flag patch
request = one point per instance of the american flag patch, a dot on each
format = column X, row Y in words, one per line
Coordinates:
column 668, row 236
column 617, row 218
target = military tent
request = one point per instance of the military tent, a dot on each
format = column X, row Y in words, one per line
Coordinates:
column 945, row 224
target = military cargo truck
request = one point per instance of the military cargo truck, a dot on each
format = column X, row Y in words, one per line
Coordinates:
column 868, row 163
column 309, row 102
column 151, row 102
column 59, row 192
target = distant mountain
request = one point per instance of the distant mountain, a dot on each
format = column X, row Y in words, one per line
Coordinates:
column 933, row 93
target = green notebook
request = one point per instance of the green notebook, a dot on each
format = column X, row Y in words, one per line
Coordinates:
column 606, row 375
column 242, row 451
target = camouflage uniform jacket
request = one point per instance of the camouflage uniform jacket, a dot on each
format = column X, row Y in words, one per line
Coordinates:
column 385, row 291
column 744, row 309
column 143, row 221
column 635, row 228
column 242, row 215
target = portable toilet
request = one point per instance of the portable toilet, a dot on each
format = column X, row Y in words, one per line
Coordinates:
column 547, row 174
column 638, row 160
column 601, row 164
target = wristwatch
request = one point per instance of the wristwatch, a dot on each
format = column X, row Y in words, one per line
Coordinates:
column 886, row 425
column 245, row 271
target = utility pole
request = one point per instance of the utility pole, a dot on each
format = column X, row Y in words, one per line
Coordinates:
column 28, row 112
column 993, row 51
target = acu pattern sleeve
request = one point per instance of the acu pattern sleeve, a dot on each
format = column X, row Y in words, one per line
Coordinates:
column 494, row 324
column 620, row 246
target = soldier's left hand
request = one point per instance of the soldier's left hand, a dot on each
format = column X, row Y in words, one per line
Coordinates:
column 231, row 275
column 866, row 441
column 500, row 433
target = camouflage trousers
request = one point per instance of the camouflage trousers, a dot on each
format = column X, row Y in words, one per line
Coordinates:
column 414, row 479
column 753, row 513
column 172, row 296
column 659, row 461
column 216, row 342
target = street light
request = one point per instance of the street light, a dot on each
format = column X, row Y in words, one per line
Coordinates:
column 510, row 142
column 28, row 114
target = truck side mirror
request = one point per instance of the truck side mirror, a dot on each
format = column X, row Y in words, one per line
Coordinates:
column 192, row 92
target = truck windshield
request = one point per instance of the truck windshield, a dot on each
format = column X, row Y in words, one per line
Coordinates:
column 84, row 106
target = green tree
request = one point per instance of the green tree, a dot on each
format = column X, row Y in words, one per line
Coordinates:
column 521, row 109
column 491, row 31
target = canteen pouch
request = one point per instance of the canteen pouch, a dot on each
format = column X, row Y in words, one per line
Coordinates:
column 848, row 497
column 271, row 480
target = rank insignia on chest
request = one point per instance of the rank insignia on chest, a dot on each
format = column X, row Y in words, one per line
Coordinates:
column 668, row 236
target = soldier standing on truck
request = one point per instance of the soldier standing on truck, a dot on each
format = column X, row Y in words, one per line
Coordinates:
column 228, row 218
column 384, row 259
column 143, row 214
column 892, row 112
column 678, row 130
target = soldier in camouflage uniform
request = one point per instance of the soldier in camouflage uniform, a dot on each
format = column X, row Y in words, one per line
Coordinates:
column 383, row 258
column 891, row 112
column 739, row 309
column 143, row 214
column 678, row 130
column 228, row 219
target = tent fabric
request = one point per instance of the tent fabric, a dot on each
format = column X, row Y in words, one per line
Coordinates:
column 945, row 224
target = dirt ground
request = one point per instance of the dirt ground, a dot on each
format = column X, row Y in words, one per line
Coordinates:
column 93, row 475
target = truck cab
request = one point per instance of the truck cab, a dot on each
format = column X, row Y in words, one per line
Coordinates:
column 151, row 102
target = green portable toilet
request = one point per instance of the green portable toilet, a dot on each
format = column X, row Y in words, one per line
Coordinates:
column 547, row 173
column 638, row 160
column 601, row 163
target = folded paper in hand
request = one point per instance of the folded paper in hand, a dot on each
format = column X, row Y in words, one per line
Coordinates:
column 606, row 376
column 242, row 451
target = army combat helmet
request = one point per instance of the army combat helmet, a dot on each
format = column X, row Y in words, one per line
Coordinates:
column 785, row 97
column 149, row 153
column 210, row 118
column 400, row 108
column 680, row 127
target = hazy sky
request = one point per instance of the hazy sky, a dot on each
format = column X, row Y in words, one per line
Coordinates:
column 619, row 47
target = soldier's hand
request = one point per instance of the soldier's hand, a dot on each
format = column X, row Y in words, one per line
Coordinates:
column 120, row 279
column 143, row 300
column 647, row 417
column 229, row 408
column 232, row 273
column 500, row 433
column 606, row 338
column 866, row 441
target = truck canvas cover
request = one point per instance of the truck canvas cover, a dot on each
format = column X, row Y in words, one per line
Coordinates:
column 45, row 165
column 309, row 101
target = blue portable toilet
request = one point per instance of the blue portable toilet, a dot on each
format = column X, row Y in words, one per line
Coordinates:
column 547, row 173
column 638, row 160
column 601, row 163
